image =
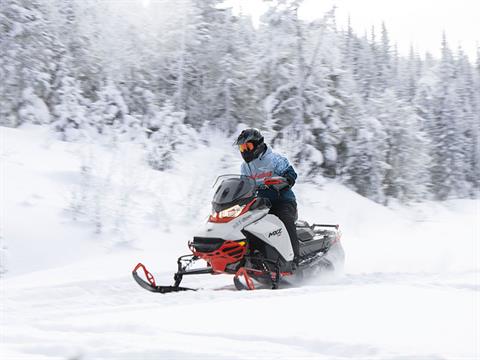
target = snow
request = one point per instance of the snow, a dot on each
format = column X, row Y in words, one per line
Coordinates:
column 410, row 288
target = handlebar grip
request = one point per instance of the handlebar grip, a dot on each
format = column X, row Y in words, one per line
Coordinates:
column 275, row 181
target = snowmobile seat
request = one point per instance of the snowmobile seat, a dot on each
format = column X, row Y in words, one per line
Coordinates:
column 305, row 234
column 309, row 247
column 308, row 244
column 313, row 241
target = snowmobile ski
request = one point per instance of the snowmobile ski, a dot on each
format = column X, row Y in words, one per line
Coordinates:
column 151, row 285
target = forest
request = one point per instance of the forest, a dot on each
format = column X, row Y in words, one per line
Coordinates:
column 339, row 104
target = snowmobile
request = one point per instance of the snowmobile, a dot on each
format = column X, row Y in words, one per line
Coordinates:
column 241, row 238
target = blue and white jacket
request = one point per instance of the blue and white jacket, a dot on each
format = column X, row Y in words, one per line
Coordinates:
column 267, row 165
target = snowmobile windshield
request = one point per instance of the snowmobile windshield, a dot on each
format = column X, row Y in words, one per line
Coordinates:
column 234, row 189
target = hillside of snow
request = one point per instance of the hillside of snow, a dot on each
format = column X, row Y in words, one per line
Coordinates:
column 77, row 217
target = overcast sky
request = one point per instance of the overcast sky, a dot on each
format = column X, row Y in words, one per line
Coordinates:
column 417, row 22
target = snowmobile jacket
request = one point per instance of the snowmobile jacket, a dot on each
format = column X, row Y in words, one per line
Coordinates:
column 271, row 164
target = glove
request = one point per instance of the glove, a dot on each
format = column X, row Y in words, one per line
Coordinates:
column 290, row 180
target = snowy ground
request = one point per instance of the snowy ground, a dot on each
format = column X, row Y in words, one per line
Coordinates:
column 410, row 288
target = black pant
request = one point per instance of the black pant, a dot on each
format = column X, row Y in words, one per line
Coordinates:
column 287, row 212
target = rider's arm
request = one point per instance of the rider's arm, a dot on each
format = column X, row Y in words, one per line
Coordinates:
column 290, row 175
column 283, row 168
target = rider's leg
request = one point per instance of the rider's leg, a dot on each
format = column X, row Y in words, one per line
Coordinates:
column 287, row 212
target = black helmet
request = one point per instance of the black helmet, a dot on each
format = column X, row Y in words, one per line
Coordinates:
column 251, row 145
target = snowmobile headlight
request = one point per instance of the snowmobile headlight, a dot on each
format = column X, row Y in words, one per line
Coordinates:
column 231, row 212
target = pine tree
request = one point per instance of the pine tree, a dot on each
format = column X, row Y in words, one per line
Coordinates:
column 366, row 163
column 406, row 154
column 26, row 48
column 79, row 32
column 301, row 107
column 384, row 74
column 468, row 121
column 278, row 68
column 70, row 111
column 233, row 94
column 448, row 172
column 203, row 58
column 409, row 76
column 172, row 136
column 110, row 114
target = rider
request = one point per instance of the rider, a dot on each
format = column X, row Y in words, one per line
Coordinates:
column 261, row 162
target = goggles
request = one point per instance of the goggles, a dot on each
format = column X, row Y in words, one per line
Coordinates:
column 246, row 147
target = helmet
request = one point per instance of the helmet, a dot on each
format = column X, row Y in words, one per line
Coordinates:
column 251, row 145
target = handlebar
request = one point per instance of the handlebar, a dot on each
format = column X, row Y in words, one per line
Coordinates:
column 276, row 183
column 275, row 180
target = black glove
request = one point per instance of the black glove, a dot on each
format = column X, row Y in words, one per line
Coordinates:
column 290, row 180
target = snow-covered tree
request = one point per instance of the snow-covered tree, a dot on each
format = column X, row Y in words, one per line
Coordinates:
column 365, row 160
column 26, row 53
column 407, row 149
column 70, row 111
column 468, row 119
column 447, row 132
column 110, row 114
column 171, row 136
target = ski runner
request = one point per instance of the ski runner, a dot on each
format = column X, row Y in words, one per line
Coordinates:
column 261, row 162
